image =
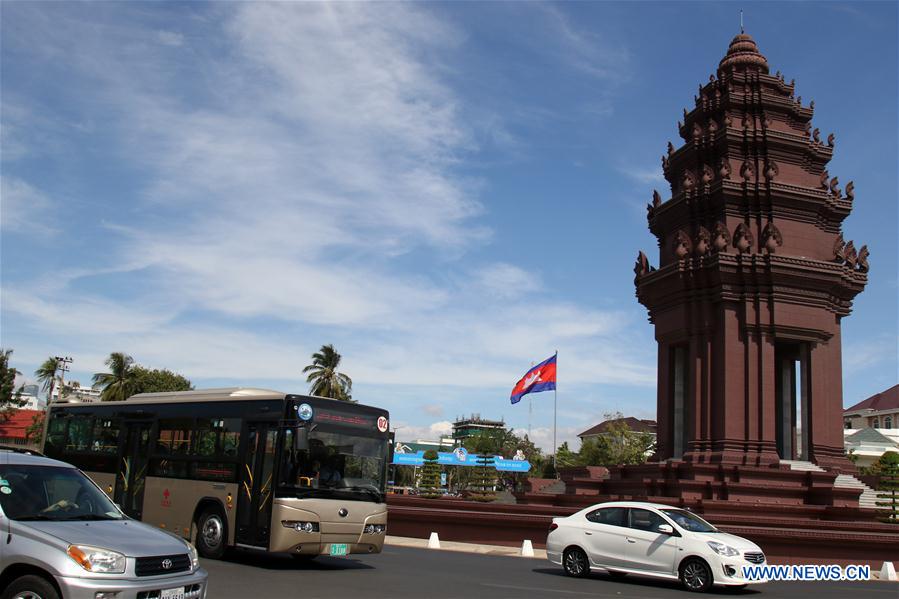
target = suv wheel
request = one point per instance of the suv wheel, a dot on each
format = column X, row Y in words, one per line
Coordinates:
column 575, row 563
column 30, row 587
column 212, row 533
column 696, row 575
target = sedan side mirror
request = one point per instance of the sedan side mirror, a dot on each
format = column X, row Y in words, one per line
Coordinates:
column 665, row 529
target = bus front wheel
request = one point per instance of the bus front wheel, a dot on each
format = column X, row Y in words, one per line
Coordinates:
column 212, row 533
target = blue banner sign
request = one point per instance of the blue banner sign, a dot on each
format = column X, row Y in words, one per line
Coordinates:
column 463, row 458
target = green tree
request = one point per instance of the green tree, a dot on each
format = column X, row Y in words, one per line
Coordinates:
column 34, row 433
column 565, row 458
column 10, row 397
column 159, row 381
column 121, row 382
column 888, row 464
column 324, row 378
column 430, row 475
column 618, row 445
column 46, row 375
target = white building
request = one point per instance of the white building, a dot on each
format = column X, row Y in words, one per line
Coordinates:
column 75, row 392
column 871, row 427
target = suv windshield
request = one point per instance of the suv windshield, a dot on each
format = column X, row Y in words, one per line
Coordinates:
column 689, row 521
column 52, row 493
column 334, row 465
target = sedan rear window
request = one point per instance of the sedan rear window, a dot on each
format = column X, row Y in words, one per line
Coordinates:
column 616, row 516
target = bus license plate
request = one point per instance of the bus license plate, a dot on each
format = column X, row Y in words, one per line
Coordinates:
column 172, row 593
column 338, row 549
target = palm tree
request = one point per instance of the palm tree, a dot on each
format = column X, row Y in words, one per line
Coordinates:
column 46, row 376
column 323, row 377
column 121, row 382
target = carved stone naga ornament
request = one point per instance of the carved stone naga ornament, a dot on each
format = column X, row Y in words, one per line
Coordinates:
column 851, row 255
column 771, row 238
column 816, row 135
column 641, row 267
column 863, row 259
column 743, row 238
column 825, row 177
column 834, row 189
column 830, row 140
column 839, row 249
column 850, row 191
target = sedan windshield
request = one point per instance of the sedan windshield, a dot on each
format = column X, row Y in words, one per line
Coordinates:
column 52, row 493
column 336, row 465
column 689, row 521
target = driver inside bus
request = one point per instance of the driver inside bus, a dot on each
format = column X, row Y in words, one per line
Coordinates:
column 323, row 464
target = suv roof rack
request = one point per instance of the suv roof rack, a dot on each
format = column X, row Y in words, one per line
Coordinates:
column 24, row 450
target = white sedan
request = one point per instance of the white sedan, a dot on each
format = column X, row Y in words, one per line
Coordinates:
column 650, row 539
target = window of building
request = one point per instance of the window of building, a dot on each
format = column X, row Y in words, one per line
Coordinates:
column 875, row 423
column 888, row 422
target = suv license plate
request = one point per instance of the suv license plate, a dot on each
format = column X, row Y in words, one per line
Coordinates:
column 339, row 549
column 172, row 593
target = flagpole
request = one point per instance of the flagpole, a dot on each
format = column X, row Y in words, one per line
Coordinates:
column 555, row 410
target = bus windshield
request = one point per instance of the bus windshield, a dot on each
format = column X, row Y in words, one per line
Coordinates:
column 333, row 465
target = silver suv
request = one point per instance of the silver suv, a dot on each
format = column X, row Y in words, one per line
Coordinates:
column 62, row 538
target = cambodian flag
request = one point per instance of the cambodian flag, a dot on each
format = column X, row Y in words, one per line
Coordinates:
column 541, row 377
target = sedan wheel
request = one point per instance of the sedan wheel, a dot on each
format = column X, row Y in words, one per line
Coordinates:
column 575, row 563
column 696, row 576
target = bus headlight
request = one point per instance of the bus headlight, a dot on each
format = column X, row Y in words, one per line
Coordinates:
column 300, row 526
column 371, row 529
column 95, row 559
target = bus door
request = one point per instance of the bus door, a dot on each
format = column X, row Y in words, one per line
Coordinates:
column 256, row 493
column 133, row 461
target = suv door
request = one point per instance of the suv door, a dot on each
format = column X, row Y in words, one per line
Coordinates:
column 647, row 548
column 605, row 534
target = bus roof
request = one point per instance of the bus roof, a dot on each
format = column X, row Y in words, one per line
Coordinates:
column 220, row 394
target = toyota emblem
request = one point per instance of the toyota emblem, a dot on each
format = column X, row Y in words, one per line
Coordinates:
column 166, row 564
column 342, row 512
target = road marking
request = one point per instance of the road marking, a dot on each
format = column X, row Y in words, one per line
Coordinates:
column 509, row 586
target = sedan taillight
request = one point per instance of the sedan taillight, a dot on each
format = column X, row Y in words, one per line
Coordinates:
column 553, row 526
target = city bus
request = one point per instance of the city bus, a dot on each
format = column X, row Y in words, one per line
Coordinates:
column 236, row 467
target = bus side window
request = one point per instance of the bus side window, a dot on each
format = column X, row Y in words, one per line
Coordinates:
column 56, row 437
column 79, row 438
column 174, row 436
column 230, row 436
column 106, row 436
column 204, row 438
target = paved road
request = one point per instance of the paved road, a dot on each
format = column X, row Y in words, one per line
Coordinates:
column 402, row 572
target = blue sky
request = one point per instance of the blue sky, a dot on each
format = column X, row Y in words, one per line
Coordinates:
column 446, row 192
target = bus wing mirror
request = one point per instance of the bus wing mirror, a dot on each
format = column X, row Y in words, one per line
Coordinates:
column 301, row 440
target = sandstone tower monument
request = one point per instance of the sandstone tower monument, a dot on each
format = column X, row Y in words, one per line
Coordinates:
column 753, row 279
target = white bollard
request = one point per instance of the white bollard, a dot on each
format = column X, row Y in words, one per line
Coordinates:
column 434, row 541
column 888, row 572
column 527, row 549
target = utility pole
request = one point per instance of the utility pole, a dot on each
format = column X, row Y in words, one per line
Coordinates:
column 62, row 364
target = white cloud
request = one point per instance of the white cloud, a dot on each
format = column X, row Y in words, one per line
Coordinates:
column 310, row 159
column 170, row 38
column 23, row 208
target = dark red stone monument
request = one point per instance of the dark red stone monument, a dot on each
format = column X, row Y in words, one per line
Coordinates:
column 753, row 280
column 754, row 277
